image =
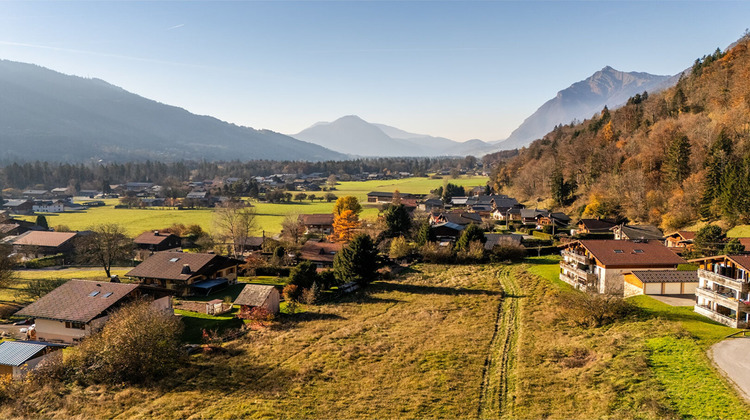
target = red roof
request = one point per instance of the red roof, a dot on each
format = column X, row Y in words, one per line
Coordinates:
column 170, row 265
column 78, row 301
column 152, row 238
column 610, row 252
column 317, row 219
column 320, row 251
column 44, row 238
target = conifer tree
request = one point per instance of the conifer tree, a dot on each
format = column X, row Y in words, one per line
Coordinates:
column 677, row 165
column 424, row 234
column 397, row 220
column 470, row 234
column 357, row 262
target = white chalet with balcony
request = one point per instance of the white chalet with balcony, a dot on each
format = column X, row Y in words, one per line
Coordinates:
column 723, row 292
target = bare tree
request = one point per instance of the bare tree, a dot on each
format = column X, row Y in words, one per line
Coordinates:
column 105, row 246
column 292, row 228
column 7, row 263
column 233, row 223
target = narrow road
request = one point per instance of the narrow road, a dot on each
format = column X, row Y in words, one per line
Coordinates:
column 730, row 356
column 496, row 387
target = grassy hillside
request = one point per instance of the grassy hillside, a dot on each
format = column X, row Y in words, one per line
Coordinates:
column 269, row 216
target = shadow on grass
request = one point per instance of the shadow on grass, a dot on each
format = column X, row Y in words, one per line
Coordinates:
column 541, row 260
column 309, row 316
column 409, row 270
column 194, row 326
column 428, row 290
column 232, row 291
column 229, row 373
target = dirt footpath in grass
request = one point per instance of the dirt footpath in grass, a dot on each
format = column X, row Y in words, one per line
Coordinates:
column 730, row 356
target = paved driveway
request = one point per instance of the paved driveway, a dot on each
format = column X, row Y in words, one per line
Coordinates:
column 731, row 356
column 675, row 300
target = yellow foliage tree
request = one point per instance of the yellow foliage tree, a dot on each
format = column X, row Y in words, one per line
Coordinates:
column 347, row 203
column 344, row 226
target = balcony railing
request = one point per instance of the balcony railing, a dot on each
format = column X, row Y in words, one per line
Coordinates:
column 582, row 259
column 735, row 284
column 726, row 320
column 581, row 276
column 725, row 300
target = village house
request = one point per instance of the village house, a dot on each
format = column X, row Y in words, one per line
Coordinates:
column 38, row 244
column 512, row 215
column 17, row 358
column 447, row 231
column 682, row 239
column 461, row 218
column 19, row 206
column 586, row 226
column 431, row 204
column 320, row 253
column 49, row 206
column 257, row 296
column 185, row 274
column 599, row 265
column 79, row 308
column 660, row 282
column 633, row 232
column 150, row 242
column 387, row 197
column 318, row 223
column 723, row 292
column 555, row 219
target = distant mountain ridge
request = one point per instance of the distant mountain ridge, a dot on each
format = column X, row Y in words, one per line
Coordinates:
column 582, row 99
column 353, row 135
column 46, row 115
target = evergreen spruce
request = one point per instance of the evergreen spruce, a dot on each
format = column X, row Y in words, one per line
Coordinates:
column 470, row 234
column 358, row 262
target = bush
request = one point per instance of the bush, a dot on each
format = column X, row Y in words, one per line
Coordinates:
column 311, row 296
column 138, row 344
column 505, row 252
column 44, row 262
column 432, row 252
column 593, row 309
column 473, row 254
column 303, row 275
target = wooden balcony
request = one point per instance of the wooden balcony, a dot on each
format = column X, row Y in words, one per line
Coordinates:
column 735, row 284
column 572, row 256
column 579, row 276
column 715, row 316
column 722, row 299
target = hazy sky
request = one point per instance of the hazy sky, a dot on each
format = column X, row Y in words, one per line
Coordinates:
column 456, row 69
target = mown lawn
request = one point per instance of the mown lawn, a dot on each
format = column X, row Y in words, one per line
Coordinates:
column 651, row 364
column 269, row 216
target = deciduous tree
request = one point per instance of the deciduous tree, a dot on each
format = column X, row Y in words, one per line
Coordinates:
column 233, row 223
column 105, row 246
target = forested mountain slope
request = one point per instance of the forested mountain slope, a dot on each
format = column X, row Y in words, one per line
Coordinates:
column 669, row 159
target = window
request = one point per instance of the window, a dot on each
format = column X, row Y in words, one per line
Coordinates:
column 619, row 251
column 94, row 293
column 174, row 259
column 638, row 251
column 75, row 325
column 106, row 295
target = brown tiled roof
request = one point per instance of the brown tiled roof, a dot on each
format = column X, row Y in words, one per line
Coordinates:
column 597, row 225
column 151, row 238
column 319, row 251
column 462, row 218
column 642, row 232
column 254, row 294
column 666, row 276
column 73, row 301
column 169, row 265
column 745, row 242
column 44, row 238
column 687, row 235
column 317, row 219
column 610, row 252
column 8, row 227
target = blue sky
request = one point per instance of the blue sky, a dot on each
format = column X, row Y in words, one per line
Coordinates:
column 458, row 69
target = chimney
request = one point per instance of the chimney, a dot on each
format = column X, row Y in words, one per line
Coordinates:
column 114, row 279
column 186, row 269
column 156, row 233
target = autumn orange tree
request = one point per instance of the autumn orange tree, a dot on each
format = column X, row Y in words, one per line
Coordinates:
column 345, row 218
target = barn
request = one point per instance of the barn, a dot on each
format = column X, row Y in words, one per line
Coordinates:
column 258, row 295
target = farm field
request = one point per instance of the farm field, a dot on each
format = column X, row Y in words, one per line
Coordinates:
column 268, row 216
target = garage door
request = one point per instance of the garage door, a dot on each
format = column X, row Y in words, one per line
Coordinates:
column 672, row 288
column 689, row 288
column 653, row 288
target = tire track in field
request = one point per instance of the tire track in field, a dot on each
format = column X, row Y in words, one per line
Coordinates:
column 494, row 392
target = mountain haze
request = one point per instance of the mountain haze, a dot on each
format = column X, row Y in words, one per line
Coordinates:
column 583, row 99
column 353, row 135
column 46, row 115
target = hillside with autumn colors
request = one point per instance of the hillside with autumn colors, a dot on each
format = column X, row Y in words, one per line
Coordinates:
column 669, row 159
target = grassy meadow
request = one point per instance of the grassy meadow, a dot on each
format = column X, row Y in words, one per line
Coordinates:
column 413, row 347
column 268, row 216
column 21, row 278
